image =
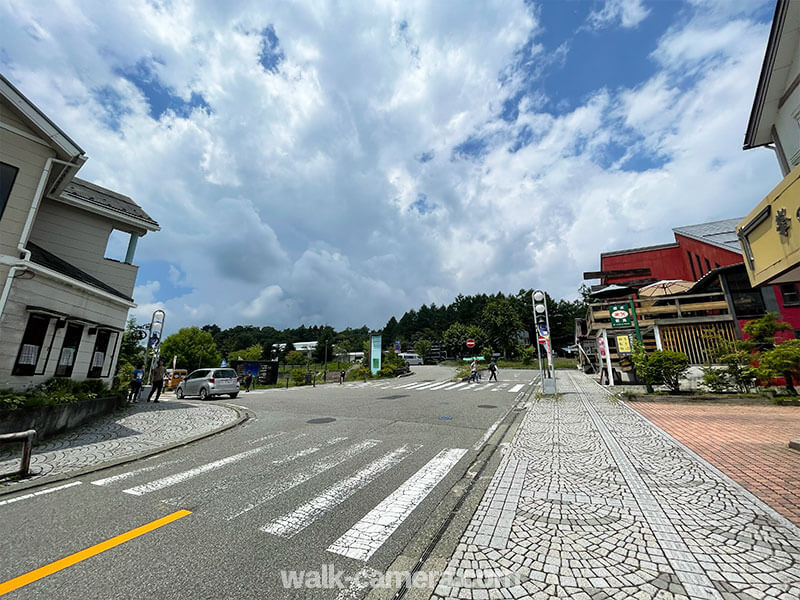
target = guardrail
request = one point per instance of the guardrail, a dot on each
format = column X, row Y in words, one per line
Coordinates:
column 26, row 437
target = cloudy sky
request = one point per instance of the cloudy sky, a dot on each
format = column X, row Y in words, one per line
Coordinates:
column 341, row 162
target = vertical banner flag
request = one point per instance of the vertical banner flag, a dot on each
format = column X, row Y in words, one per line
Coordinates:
column 375, row 354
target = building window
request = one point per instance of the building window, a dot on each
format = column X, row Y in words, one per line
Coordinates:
column 69, row 350
column 7, row 176
column 747, row 301
column 789, row 294
column 691, row 266
column 699, row 266
column 98, row 357
column 31, row 346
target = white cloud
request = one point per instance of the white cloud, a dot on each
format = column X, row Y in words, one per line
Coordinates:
column 628, row 13
column 290, row 199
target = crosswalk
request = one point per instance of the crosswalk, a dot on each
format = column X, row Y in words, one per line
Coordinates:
column 284, row 483
column 447, row 386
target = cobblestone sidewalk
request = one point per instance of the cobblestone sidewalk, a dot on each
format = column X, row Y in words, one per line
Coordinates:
column 139, row 428
column 593, row 502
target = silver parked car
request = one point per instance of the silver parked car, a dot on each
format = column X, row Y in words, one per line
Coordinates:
column 209, row 382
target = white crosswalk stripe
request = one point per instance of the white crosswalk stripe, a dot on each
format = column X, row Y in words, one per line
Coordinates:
column 290, row 524
column 170, row 480
column 365, row 537
column 262, row 495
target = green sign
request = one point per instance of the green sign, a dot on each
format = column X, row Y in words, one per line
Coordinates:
column 375, row 347
column 620, row 315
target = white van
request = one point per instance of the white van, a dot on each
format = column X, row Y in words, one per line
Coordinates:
column 410, row 358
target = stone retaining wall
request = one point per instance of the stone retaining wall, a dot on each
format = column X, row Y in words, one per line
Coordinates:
column 50, row 420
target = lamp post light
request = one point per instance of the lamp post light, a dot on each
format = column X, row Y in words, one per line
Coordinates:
column 542, row 322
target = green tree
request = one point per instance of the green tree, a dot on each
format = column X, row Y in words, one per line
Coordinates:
column 782, row 360
column 253, row 352
column 131, row 350
column 194, row 348
column 502, row 324
column 295, row 357
column 423, row 348
column 662, row 367
column 762, row 335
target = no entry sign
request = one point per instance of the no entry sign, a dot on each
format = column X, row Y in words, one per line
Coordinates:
column 470, row 343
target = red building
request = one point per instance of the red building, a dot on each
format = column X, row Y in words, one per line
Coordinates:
column 709, row 252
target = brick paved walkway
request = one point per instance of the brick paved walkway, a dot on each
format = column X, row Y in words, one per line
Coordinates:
column 594, row 502
column 747, row 443
column 137, row 429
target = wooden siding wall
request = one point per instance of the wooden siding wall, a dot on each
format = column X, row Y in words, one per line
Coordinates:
column 29, row 157
column 696, row 340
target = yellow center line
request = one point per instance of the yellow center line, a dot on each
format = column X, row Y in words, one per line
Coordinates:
column 68, row 561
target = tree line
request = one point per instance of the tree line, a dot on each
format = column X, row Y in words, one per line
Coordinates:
column 494, row 321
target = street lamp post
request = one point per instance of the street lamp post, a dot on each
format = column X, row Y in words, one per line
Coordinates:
column 542, row 322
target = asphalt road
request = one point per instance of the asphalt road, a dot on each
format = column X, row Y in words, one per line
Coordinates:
column 333, row 475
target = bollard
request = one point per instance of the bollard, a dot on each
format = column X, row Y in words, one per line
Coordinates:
column 26, row 437
column 287, row 382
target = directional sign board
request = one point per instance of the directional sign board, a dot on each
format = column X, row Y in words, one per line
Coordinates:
column 470, row 343
column 620, row 315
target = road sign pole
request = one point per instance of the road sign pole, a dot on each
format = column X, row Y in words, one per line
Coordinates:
column 638, row 334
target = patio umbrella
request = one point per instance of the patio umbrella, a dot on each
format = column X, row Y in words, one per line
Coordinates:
column 612, row 291
column 665, row 287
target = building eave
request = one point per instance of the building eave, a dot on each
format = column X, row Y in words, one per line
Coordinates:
column 766, row 82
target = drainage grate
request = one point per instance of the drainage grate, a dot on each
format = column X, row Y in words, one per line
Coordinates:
column 445, row 418
column 321, row 420
column 486, row 406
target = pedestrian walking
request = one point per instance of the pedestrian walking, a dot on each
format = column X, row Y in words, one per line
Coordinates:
column 473, row 369
column 136, row 384
column 492, row 371
column 157, row 379
column 248, row 381
column 341, row 377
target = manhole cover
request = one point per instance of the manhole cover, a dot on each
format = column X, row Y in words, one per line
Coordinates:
column 321, row 420
column 393, row 397
column 445, row 418
column 486, row 406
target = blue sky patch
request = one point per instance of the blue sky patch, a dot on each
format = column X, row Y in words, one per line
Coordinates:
column 159, row 97
column 114, row 106
column 425, row 156
column 271, row 55
column 473, row 147
column 422, row 205
column 159, row 270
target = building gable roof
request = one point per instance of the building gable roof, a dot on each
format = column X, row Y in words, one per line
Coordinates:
column 47, row 259
column 107, row 200
column 717, row 233
column 38, row 121
column 774, row 86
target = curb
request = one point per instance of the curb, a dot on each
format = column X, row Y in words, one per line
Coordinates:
column 243, row 415
column 795, row 444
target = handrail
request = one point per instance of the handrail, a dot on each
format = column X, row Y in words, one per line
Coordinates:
column 26, row 437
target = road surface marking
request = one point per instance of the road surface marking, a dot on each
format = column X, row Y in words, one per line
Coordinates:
column 365, row 537
column 299, row 454
column 440, row 385
column 266, row 437
column 455, row 386
column 128, row 474
column 405, row 385
column 68, row 561
column 170, row 480
column 417, row 385
column 429, row 385
column 489, row 432
column 300, row 477
column 39, row 493
column 516, row 388
column 290, row 524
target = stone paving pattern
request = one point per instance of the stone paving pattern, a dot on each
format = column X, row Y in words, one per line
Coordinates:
column 138, row 428
column 611, row 507
column 747, row 443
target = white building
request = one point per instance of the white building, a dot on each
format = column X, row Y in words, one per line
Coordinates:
column 63, row 304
